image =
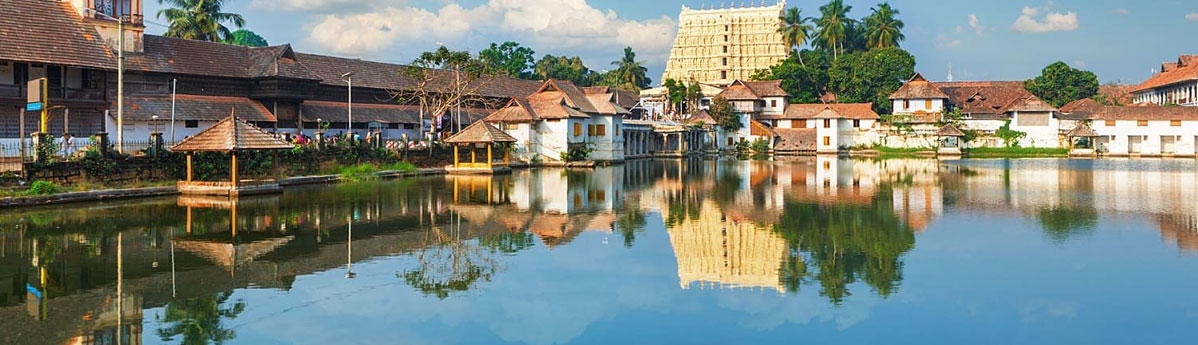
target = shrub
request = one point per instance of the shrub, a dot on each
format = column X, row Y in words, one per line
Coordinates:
column 43, row 188
column 760, row 146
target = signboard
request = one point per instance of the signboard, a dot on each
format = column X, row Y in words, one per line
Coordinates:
column 35, row 96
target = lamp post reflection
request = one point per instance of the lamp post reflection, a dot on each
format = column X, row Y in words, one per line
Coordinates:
column 349, row 251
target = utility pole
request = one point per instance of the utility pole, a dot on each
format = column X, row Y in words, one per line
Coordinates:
column 120, row 86
column 349, row 90
column 174, row 86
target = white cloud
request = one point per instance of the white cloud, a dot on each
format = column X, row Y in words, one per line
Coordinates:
column 976, row 25
column 1193, row 17
column 1121, row 11
column 316, row 5
column 548, row 26
column 945, row 41
column 1030, row 21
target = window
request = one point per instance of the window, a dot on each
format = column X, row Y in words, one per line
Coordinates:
column 906, row 104
column 802, row 123
column 600, row 130
column 927, row 104
column 191, row 124
column 773, row 103
column 856, row 123
column 725, row 28
column 1175, row 123
column 725, row 61
column 725, row 38
column 577, row 129
column 1110, row 123
column 827, row 123
column 617, row 131
column 1142, row 123
column 827, row 141
column 723, row 74
column 392, row 126
column 725, row 49
column 409, row 126
column 590, row 130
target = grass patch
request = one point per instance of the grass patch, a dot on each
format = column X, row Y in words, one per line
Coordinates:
column 1002, row 152
column 401, row 166
column 901, row 150
column 42, row 188
column 369, row 171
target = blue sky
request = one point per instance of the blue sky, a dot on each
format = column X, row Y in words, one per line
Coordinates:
column 982, row 40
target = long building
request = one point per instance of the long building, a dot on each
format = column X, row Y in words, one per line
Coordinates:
column 718, row 46
column 73, row 44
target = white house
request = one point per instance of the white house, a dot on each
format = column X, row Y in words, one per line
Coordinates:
column 1176, row 83
column 985, row 106
column 1145, row 130
column 824, row 128
column 752, row 101
column 561, row 116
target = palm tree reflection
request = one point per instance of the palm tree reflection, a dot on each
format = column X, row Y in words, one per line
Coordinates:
column 200, row 320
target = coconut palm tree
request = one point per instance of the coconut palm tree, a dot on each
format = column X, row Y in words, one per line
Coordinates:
column 199, row 20
column 630, row 73
column 795, row 30
column 882, row 29
column 834, row 26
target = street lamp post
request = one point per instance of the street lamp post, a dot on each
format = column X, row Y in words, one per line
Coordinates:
column 349, row 90
column 120, row 79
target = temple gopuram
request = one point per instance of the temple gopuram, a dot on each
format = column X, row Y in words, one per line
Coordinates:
column 719, row 45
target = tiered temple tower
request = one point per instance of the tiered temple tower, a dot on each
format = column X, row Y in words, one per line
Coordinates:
column 717, row 46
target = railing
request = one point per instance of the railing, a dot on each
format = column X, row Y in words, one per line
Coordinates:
column 55, row 93
column 12, row 155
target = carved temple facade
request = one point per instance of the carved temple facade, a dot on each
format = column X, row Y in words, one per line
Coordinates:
column 717, row 46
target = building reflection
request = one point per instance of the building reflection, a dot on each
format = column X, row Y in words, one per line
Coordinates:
column 714, row 250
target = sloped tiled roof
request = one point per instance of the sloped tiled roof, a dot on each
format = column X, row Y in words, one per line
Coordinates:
column 180, row 56
column 738, row 91
column 605, row 104
column 1185, row 69
column 1081, row 131
column 566, row 91
column 702, row 116
column 621, row 97
column 760, row 129
column 918, row 88
column 767, row 88
column 193, row 107
column 277, row 61
column 983, row 97
column 949, row 131
column 1148, row 113
column 844, row 110
column 1121, row 94
column 796, row 139
column 45, row 31
column 338, row 112
column 480, row 132
column 231, row 134
column 517, row 110
column 1030, row 103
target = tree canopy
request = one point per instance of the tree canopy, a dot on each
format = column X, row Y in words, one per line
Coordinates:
column 1059, row 84
column 796, row 30
column 859, row 76
column 510, row 59
column 566, row 68
column 199, row 20
column 882, row 29
column 630, row 73
column 723, row 113
column 244, row 37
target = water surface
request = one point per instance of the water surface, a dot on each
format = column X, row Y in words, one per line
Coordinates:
column 811, row 250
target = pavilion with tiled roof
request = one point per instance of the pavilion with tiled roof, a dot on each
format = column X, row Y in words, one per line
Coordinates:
column 231, row 135
column 479, row 135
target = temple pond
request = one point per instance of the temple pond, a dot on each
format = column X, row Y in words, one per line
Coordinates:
column 813, row 250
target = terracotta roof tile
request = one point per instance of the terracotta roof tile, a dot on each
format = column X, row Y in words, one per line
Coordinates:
column 1185, row 69
column 1149, row 113
column 767, row 88
column 949, row 131
column 517, row 110
column 45, row 31
column 480, row 132
column 1030, row 103
column 193, row 107
column 918, row 88
column 796, row 139
column 983, row 97
column 738, row 92
column 844, row 110
column 231, row 134
column 1081, row 131
column 338, row 112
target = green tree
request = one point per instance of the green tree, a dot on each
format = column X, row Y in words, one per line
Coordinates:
column 199, row 320
column 199, row 20
column 723, row 112
column 804, row 83
column 835, row 27
column 566, row 68
column 1009, row 137
column 796, row 30
column 509, row 59
column 244, row 37
column 694, row 95
column 631, row 73
column 844, row 243
column 1060, row 223
column 870, row 76
column 882, row 29
column 1059, row 84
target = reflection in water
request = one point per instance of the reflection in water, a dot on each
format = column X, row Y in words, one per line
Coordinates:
column 835, row 231
column 200, row 320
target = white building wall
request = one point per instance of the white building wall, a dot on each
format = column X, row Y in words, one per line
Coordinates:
column 917, row 105
column 1048, row 135
column 1118, row 139
column 774, row 106
column 555, row 137
column 609, row 146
